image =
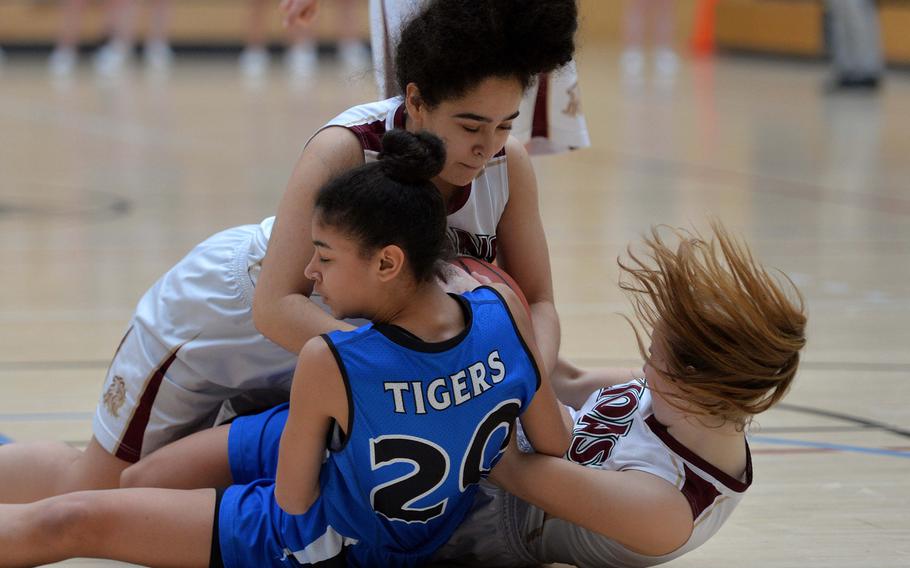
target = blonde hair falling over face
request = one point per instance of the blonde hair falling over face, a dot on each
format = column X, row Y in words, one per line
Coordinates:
column 730, row 333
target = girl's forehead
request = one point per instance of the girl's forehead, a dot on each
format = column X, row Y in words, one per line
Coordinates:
column 495, row 97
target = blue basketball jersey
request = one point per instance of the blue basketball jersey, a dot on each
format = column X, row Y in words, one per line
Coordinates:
column 427, row 422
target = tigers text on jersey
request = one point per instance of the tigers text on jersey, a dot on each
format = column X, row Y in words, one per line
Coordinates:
column 427, row 421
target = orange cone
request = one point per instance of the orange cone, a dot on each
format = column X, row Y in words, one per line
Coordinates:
column 703, row 30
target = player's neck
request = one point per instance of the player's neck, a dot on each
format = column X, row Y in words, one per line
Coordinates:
column 430, row 314
column 719, row 442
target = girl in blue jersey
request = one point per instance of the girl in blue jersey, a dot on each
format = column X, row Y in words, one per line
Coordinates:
column 414, row 409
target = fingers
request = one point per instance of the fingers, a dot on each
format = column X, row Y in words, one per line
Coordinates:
column 481, row 278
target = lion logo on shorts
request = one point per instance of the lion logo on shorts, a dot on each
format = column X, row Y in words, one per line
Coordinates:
column 115, row 396
column 573, row 107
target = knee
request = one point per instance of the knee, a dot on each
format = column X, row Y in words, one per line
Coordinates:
column 141, row 474
column 69, row 518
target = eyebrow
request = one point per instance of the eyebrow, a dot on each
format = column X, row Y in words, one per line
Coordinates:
column 479, row 118
column 320, row 244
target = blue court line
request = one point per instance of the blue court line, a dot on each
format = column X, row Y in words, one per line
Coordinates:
column 827, row 446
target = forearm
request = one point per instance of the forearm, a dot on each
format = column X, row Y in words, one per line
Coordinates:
column 575, row 388
column 545, row 322
column 293, row 320
column 636, row 509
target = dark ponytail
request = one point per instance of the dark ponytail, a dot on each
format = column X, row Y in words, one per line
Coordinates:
column 393, row 201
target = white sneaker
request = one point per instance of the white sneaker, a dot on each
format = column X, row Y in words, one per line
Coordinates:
column 158, row 55
column 666, row 62
column 111, row 58
column 354, row 55
column 632, row 62
column 254, row 61
column 301, row 60
column 62, row 61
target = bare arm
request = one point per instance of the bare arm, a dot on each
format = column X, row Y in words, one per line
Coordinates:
column 523, row 253
column 545, row 421
column 575, row 388
column 317, row 397
column 636, row 509
column 282, row 310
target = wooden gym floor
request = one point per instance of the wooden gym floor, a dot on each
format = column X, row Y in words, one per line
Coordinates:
column 104, row 184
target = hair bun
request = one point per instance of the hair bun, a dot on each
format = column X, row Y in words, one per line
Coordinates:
column 412, row 158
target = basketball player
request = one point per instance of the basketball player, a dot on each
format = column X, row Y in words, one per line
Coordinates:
column 231, row 317
column 114, row 54
column 420, row 404
column 551, row 120
column 657, row 464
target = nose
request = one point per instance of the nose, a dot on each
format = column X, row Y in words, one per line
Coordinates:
column 482, row 149
column 310, row 270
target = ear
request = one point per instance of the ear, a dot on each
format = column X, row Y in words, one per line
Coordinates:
column 414, row 104
column 391, row 262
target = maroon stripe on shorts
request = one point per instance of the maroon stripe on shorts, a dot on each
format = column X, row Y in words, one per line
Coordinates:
column 117, row 352
column 540, row 126
column 130, row 447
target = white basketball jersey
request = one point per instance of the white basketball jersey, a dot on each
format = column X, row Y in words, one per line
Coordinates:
column 616, row 430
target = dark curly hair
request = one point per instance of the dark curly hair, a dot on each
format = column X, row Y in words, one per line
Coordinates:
column 452, row 45
column 393, row 201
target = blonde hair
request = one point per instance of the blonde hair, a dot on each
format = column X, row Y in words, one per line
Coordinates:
column 731, row 334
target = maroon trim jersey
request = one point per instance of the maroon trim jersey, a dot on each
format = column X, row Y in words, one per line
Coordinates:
column 616, row 430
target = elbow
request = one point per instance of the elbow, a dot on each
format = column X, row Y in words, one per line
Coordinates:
column 556, row 447
column 262, row 313
column 294, row 504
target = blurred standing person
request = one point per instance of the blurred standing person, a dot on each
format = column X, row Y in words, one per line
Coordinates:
column 113, row 55
column 855, row 44
column 659, row 16
column 301, row 57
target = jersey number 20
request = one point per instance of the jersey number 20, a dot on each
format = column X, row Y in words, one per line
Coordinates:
column 431, row 466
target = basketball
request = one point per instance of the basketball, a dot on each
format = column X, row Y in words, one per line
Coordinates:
column 496, row 274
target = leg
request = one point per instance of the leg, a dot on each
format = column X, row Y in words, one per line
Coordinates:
column 69, row 27
column 197, row 461
column 160, row 527
column 53, row 469
column 63, row 59
column 158, row 54
column 160, row 18
column 254, row 61
column 301, row 58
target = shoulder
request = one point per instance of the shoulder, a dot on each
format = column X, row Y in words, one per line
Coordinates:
column 518, row 164
column 318, row 354
column 516, row 153
column 513, row 306
column 508, row 296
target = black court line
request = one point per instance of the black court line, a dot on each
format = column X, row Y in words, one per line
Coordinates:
column 896, row 430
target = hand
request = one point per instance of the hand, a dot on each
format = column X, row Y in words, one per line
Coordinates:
column 298, row 11
column 455, row 280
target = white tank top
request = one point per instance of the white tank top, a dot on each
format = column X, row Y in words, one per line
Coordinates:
column 616, row 430
column 475, row 210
